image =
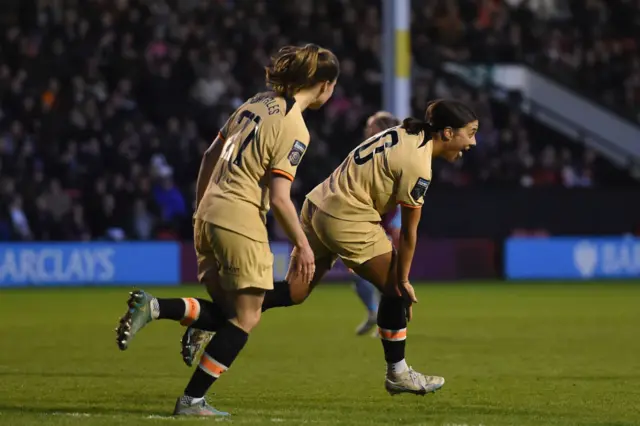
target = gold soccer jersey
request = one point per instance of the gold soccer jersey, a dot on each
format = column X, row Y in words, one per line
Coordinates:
column 267, row 134
column 392, row 167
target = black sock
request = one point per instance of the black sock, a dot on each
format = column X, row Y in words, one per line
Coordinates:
column 197, row 313
column 212, row 317
column 218, row 356
column 392, row 323
column 173, row 309
column 280, row 296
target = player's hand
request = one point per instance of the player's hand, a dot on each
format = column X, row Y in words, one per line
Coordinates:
column 409, row 295
column 408, row 312
column 305, row 265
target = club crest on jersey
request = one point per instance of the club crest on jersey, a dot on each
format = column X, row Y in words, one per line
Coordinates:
column 420, row 188
column 295, row 155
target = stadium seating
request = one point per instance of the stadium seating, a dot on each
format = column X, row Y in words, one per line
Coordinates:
column 107, row 106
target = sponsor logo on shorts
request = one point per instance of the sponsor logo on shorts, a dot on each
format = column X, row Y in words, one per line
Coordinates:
column 230, row 269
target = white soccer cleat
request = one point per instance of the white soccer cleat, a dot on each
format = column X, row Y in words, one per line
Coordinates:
column 413, row 382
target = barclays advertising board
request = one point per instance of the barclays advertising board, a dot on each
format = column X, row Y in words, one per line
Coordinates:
column 572, row 258
column 70, row 264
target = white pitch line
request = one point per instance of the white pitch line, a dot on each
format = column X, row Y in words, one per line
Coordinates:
column 71, row 414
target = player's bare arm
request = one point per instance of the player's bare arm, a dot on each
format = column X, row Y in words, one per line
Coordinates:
column 406, row 248
column 208, row 163
column 287, row 216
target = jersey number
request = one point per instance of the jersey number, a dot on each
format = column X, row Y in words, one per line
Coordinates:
column 360, row 157
column 229, row 147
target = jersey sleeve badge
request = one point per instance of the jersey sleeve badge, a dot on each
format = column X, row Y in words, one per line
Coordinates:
column 295, row 155
column 420, row 188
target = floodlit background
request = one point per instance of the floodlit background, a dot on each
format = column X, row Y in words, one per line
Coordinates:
column 529, row 245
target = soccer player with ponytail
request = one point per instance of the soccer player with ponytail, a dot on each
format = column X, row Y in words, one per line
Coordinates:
column 247, row 169
column 342, row 218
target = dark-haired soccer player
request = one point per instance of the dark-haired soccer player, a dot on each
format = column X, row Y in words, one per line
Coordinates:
column 341, row 218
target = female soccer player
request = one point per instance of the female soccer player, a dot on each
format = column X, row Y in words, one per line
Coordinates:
column 341, row 218
column 252, row 161
column 367, row 292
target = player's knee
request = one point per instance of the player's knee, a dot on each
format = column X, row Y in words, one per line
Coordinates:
column 248, row 319
column 298, row 290
column 299, row 295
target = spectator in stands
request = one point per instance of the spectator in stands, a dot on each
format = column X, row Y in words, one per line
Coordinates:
column 57, row 201
column 74, row 225
column 169, row 198
column 111, row 220
column 43, row 226
column 143, row 221
column 19, row 221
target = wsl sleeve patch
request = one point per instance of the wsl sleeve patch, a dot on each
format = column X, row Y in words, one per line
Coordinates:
column 420, row 188
column 295, row 155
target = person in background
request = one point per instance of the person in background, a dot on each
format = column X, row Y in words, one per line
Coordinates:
column 19, row 220
column 142, row 222
column 366, row 291
column 169, row 198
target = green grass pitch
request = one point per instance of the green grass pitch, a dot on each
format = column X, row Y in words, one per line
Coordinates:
column 512, row 354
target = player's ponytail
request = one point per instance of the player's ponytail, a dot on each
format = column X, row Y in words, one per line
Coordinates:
column 439, row 115
column 413, row 126
column 295, row 68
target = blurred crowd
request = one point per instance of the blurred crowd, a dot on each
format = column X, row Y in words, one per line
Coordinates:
column 108, row 105
column 591, row 45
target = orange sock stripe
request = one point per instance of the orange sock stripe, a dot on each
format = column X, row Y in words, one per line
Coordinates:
column 192, row 311
column 211, row 366
column 393, row 335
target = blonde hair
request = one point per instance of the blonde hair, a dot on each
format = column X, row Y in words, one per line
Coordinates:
column 383, row 120
column 295, row 68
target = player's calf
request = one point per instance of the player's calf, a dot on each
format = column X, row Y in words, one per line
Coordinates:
column 218, row 356
column 392, row 326
column 226, row 345
column 190, row 312
column 279, row 296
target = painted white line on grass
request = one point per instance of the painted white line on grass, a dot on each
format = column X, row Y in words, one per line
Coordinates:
column 71, row 414
column 461, row 424
column 180, row 418
column 120, row 416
